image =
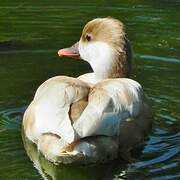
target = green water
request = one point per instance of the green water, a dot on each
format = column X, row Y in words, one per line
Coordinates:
column 31, row 32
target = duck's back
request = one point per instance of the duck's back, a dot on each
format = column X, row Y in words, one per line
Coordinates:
column 64, row 105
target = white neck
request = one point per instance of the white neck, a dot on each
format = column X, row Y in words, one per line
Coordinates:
column 90, row 78
column 102, row 65
column 100, row 56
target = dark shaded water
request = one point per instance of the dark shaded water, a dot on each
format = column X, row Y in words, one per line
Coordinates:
column 30, row 35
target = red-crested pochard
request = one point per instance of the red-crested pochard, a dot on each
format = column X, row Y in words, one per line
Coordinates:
column 97, row 115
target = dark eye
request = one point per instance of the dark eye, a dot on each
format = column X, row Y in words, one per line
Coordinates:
column 88, row 37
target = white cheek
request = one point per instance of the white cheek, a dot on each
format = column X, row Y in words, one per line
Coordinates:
column 86, row 51
column 96, row 52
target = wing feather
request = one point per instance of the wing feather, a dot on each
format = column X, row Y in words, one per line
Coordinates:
column 110, row 101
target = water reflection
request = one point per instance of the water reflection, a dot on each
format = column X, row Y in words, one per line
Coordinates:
column 50, row 171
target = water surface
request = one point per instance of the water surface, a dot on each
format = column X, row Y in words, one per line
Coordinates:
column 30, row 35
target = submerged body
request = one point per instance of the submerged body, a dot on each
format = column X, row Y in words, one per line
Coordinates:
column 96, row 115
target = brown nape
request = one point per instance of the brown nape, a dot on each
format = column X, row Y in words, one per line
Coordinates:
column 76, row 109
column 129, row 56
column 122, row 65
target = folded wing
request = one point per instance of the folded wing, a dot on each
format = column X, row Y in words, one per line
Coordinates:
column 49, row 110
column 109, row 103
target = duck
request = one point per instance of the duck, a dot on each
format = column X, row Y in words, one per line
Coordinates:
column 97, row 116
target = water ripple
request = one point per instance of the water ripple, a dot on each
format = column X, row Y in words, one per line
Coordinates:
column 158, row 58
column 164, row 157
